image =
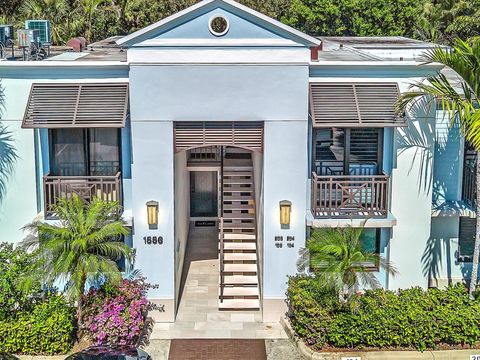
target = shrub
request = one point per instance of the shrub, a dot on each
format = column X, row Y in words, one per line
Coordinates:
column 47, row 329
column 411, row 318
column 13, row 264
column 116, row 314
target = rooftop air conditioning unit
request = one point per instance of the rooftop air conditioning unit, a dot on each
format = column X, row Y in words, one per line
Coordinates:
column 43, row 27
column 28, row 38
column 6, row 34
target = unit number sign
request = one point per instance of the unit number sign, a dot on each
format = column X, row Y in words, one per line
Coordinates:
column 153, row 240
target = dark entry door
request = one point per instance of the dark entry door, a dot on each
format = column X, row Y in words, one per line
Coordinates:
column 203, row 194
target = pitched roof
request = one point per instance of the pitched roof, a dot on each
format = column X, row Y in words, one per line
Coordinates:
column 191, row 11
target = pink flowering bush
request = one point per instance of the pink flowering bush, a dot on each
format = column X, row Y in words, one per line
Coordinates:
column 115, row 315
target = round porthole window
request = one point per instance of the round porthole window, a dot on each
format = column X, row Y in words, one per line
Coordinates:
column 218, row 25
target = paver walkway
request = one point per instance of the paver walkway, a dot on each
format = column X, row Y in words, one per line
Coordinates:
column 198, row 315
column 217, row 350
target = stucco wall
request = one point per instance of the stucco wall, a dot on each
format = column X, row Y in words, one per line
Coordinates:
column 24, row 191
column 182, row 215
column 411, row 195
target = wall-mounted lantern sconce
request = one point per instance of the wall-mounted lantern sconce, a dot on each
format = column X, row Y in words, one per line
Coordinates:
column 152, row 214
column 285, row 210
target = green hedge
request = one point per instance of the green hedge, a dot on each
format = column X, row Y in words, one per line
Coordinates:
column 411, row 318
column 48, row 329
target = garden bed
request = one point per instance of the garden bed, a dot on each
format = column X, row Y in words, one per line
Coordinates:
column 380, row 320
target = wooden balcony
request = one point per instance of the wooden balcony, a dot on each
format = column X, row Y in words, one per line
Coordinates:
column 108, row 188
column 353, row 196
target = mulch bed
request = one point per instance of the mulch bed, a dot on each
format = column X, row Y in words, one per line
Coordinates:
column 206, row 349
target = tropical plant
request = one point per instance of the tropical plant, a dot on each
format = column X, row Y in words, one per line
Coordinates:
column 8, row 153
column 14, row 263
column 444, row 20
column 89, row 8
column 82, row 247
column 339, row 261
column 459, row 98
column 56, row 11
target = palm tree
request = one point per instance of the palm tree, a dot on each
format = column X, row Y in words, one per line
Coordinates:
column 88, row 8
column 460, row 98
column 8, row 153
column 338, row 259
column 81, row 248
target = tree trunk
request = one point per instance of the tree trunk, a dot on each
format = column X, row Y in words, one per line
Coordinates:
column 80, row 304
column 476, row 251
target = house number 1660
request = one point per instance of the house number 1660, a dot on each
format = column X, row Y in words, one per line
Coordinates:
column 153, row 240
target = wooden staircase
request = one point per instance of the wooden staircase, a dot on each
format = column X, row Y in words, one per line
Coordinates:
column 239, row 286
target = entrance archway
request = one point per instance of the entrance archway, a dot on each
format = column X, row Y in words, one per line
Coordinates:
column 227, row 240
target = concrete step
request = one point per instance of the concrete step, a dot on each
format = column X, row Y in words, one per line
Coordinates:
column 240, row 280
column 240, row 268
column 240, row 291
column 239, row 246
column 239, row 304
column 240, row 256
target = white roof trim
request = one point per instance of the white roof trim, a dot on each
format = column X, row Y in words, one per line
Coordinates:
column 309, row 39
column 218, row 42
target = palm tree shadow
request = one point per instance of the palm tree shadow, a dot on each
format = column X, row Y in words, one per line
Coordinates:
column 8, row 153
column 436, row 251
column 419, row 136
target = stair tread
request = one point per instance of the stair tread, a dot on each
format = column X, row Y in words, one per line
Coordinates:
column 240, row 291
column 237, row 181
column 239, row 304
column 240, row 268
column 239, row 246
column 240, row 279
column 239, row 216
column 240, row 256
column 228, row 226
column 237, row 198
column 235, row 190
column 228, row 236
column 236, row 173
column 238, row 207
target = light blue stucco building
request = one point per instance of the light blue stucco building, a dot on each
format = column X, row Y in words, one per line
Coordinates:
column 221, row 116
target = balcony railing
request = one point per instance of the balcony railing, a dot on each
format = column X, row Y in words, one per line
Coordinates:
column 469, row 192
column 108, row 188
column 353, row 196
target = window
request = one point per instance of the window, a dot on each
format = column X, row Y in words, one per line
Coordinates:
column 370, row 241
column 342, row 151
column 218, row 25
column 466, row 239
column 85, row 152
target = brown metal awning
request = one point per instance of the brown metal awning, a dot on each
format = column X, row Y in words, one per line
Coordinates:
column 244, row 134
column 76, row 105
column 354, row 105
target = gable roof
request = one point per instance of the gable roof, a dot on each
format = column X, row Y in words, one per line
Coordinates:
column 190, row 12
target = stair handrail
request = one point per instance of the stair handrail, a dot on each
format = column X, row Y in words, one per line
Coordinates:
column 222, row 265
